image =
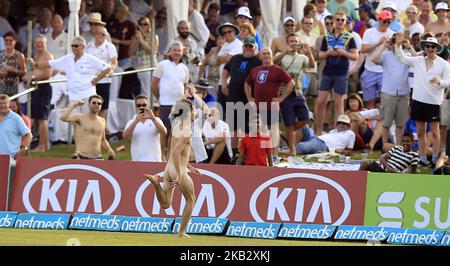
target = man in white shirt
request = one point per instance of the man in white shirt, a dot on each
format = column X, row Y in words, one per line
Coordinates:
column 168, row 85
column 145, row 131
column 106, row 52
column 217, row 138
column 83, row 72
column 413, row 25
column 322, row 11
column 372, row 76
column 431, row 77
column 341, row 139
column 57, row 39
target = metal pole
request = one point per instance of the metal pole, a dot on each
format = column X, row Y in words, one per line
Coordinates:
column 29, row 55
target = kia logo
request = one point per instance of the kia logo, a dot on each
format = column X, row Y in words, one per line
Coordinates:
column 92, row 192
column 208, row 193
column 276, row 200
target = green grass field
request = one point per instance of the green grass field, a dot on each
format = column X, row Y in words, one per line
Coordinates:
column 36, row 237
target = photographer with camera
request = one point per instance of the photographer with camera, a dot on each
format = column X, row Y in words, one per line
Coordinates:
column 145, row 131
column 295, row 60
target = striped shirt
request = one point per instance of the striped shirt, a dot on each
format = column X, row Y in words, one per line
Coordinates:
column 399, row 160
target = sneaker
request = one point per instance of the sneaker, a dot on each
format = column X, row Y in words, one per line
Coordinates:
column 423, row 163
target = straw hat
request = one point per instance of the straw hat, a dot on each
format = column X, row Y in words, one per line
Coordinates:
column 96, row 18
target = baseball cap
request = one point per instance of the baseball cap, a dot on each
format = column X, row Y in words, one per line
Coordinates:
column 390, row 5
column 441, row 6
column 286, row 19
column 244, row 11
column 249, row 40
column 385, row 15
column 343, row 119
column 364, row 6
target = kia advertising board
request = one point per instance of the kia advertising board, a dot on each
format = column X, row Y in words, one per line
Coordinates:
column 408, row 201
column 4, row 173
column 240, row 193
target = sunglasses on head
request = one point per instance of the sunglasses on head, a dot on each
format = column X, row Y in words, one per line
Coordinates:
column 141, row 105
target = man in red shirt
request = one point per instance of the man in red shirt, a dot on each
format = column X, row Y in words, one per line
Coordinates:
column 266, row 81
column 255, row 148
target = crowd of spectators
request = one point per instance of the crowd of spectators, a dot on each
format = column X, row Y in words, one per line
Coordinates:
column 341, row 78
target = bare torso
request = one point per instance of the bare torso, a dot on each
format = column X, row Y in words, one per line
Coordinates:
column 279, row 45
column 42, row 73
column 88, row 135
column 438, row 27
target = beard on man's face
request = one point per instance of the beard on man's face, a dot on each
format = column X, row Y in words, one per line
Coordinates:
column 183, row 35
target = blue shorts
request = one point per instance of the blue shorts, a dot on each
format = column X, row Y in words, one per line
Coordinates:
column 339, row 84
column 371, row 84
column 294, row 109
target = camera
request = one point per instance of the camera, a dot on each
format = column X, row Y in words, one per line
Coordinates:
column 141, row 110
column 298, row 46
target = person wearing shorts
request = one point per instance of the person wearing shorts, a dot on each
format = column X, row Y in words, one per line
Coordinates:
column 338, row 47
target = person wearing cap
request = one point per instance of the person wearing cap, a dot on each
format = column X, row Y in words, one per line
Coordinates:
column 83, row 71
column 431, row 77
column 396, row 160
column 202, row 88
column 366, row 17
column 279, row 44
column 242, row 16
column 321, row 12
column 442, row 24
column 346, row 6
column 94, row 21
column 294, row 108
column 413, row 25
column 392, row 8
column 145, row 131
column 341, row 139
column 338, row 47
column 237, row 70
column 371, row 78
column 231, row 47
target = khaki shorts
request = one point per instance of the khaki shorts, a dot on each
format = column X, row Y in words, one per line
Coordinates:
column 445, row 112
column 393, row 108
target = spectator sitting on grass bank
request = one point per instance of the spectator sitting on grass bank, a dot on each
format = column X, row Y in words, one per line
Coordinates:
column 396, row 160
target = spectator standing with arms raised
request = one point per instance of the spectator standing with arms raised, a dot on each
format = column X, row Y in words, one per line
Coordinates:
column 431, row 77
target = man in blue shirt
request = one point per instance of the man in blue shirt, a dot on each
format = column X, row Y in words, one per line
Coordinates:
column 337, row 48
column 15, row 137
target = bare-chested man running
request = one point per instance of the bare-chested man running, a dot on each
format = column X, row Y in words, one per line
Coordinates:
column 175, row 174
column 89, row 133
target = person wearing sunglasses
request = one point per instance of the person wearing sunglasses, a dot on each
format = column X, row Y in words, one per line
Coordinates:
column 145, row 130
column 431, row 78
column 89, row 133
column 280, row 44
column 83, row 72
column 372, row 77
column 442, row 24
